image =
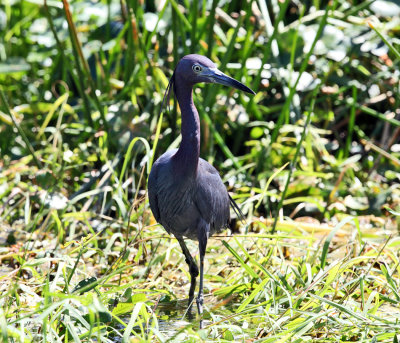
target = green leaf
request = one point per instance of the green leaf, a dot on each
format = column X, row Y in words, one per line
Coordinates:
column 340, row 307
column 249, row 270
column 329, row 239
column 85, row 285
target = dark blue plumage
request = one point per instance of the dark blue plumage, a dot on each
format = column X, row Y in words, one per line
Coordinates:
column 178, row 202
column 186, row 194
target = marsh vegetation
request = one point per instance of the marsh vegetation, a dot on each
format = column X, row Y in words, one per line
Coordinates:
column 312, row 159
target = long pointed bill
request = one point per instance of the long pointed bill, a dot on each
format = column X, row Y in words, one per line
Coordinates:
column 217, row 76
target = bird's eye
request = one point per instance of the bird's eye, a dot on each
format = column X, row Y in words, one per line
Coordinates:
column 196, row 68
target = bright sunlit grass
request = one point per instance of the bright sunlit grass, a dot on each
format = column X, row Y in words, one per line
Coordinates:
column 312, row 159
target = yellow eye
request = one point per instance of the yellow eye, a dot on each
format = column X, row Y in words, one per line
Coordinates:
column 196, row 68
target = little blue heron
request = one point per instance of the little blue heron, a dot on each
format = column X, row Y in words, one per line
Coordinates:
column 186, row 193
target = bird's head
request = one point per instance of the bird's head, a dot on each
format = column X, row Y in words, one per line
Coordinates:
column 196, row 69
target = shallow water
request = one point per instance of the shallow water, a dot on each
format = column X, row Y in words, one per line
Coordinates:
column 173, row 316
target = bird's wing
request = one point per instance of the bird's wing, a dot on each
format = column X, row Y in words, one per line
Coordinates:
column 211, row 196
column 152, row 191
column 159, row 180
column 237, row 210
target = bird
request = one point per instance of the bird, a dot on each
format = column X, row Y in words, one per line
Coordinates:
column 186, row 193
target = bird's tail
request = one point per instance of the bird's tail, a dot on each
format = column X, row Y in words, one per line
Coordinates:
column 237, row 210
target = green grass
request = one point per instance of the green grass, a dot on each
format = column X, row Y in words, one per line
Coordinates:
column 312, row 159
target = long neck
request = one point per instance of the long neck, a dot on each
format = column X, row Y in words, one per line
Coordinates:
column 188, row 154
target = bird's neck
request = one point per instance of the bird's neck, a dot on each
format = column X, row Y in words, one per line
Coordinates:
column 188, row 154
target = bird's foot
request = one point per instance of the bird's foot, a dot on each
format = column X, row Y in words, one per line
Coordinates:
column 199, row 302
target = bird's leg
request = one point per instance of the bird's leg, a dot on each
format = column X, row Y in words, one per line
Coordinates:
column 193, row 270
column 204, row 232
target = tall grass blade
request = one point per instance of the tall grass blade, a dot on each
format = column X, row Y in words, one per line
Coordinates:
column 328, row 240
column 20, row 130
column 389, row 45
column 128, row 154
column 303, row 67
column 294, row 161
column 248, row 269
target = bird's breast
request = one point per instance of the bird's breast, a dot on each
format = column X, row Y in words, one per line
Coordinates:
column 178, row 212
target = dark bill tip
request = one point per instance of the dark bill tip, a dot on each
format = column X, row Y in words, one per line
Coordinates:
column 219, row 77
column 241, row 86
